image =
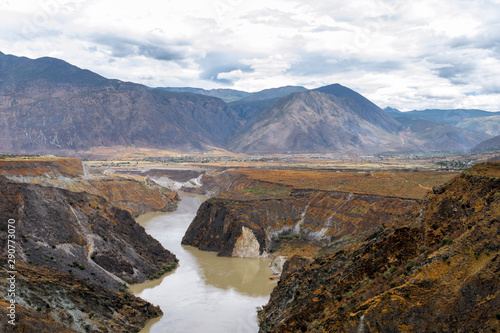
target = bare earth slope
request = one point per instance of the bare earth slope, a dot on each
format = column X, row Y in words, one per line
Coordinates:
column 48, row 105
column 433, row 270
column 316, row 122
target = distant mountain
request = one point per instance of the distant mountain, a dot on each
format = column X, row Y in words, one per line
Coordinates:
column 337, row 119
column 315, row 121
column 490, row 144
column 273, row 93
column 227, row 95
column 433, row 136
column 249, row 110
column 392, row 111
column 473, row 120
column 48, row 105
column 489, row 125
column 451, row 117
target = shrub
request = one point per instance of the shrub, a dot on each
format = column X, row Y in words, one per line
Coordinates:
column 446, row 240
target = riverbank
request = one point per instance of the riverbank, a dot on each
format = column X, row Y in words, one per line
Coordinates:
column 206, row 293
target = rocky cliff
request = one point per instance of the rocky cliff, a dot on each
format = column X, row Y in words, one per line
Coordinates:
column 73, row 252
column 81, row 234
column 251, row 228
column 138, row 195
column 435, row 269
column 257, row 212
column 50, row 301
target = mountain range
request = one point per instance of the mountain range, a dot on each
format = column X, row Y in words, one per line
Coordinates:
column 50, row 106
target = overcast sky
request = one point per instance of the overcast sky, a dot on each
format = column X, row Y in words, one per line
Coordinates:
column 412, row 54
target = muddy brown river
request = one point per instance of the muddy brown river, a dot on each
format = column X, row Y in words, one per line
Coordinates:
column 205, row 293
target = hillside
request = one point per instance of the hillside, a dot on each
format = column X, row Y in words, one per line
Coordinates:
column 450, row 117
column 490, row 144
column 272, row 93
column 433, row 269
column 433, row 136
column 489, row 125
column 227, row 95
column 477, row 121
column 138, row 195
column 318, row 122
column 52, row 301
column 282, row 212
column 73, row 253
column 49, row 105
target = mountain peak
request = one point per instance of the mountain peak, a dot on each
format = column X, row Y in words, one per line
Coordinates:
column 274, row 93
column 339, row 91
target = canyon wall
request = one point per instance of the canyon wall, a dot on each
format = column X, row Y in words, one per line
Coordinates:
column 226, row 225
column 138, row 195
column 74, row 251
column 434, row 269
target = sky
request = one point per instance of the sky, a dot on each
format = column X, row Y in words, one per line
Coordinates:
column 404, row 54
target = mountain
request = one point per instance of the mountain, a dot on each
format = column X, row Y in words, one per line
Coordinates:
column 316, row 121
column 49, row 105
column 249, row 107
column 361, row 106
column 490, row 144
column 434, row 136
column 489, row 125
column 227, row 95
column 451, row 117
column 248, row 110
column 273, row 93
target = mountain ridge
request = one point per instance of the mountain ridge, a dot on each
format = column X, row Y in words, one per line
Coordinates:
column 50, row 106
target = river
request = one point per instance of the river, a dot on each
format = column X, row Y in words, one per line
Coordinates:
column 205, row 293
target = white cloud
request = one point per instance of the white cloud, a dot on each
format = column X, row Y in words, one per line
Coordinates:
column 408, row 55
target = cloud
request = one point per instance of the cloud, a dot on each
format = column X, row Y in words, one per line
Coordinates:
column 316, row 63
column 457, row 73
column 274, row 17
column 158, row 49
column 325, row 28
column 407, row 54
column 215, row 65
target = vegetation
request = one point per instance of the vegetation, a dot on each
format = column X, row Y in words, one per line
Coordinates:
column 412, row 185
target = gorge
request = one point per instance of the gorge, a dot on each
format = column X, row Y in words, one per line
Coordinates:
column 352, row 244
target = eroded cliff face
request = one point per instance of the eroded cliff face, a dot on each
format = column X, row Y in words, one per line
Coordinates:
column 33, row 166
column 436, row 269
column 81, row 234
column 138, row 195
column 74, row 251
column 234, row 227
column 50, row 301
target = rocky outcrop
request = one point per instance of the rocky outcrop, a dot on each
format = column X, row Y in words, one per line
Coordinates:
column 50, row 301
column 433, row 270
column 138, row 196
column 81, row 234
column 49, row 167
column 73, row 253
column 226, row 225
